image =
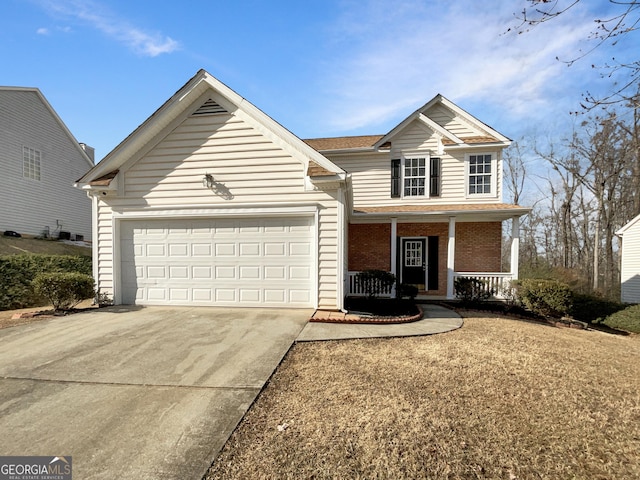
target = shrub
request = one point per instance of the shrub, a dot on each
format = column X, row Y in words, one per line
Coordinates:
column 471, row 290
column 64, row 290
column 18, row 271
column 590, row 308
column 375, row 282
column 407, row 290
column 548, row 298
column 103, row 299
column 627, row 319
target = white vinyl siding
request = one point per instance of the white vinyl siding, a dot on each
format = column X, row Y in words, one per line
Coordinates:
column 34, row 198
column 450, row 121
column 630, row 265
column 371, row 172
column 249, row 171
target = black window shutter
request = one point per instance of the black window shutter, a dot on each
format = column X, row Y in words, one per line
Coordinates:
column 434, row 177
column 395, row 178
column 432, row 274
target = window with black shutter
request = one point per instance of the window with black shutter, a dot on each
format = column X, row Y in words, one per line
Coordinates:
column 395, row 178
column 434, row 177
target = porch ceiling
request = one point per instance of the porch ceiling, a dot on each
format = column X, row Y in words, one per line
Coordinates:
column 491, row 212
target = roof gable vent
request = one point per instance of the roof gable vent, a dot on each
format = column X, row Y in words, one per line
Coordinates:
column 209, row 107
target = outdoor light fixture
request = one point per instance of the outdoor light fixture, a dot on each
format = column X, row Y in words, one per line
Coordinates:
column 208, row 181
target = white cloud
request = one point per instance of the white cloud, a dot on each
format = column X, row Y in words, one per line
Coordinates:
column 393, row 60
column 42, row 31
column 97, row 16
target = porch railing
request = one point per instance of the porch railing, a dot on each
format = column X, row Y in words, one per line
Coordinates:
column 354, row 288
column 493, row 282
column 496, row 283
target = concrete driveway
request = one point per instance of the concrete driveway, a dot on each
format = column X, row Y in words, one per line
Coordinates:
column 144, row 393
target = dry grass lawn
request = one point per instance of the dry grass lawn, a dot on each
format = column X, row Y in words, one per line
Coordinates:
column 16, row 246
column 499, row 399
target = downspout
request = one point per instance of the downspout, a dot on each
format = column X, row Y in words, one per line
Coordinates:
column 94, row 242
column 341, row 251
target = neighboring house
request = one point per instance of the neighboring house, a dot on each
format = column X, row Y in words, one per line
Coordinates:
column 40, row 162
column 630, row 261
column 211, row 202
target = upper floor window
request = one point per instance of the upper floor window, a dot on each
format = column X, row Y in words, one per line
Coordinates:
column 30, row 163
column 419, row 177
column 415, row 176
column 481, row 174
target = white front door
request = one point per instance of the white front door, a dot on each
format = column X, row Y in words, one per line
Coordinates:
column 261, row 262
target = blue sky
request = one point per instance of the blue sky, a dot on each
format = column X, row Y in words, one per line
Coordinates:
column 320, row 68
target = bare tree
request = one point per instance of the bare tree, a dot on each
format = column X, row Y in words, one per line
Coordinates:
column 624, row 21
column 515, row 170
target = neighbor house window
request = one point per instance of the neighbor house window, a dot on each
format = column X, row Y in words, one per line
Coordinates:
column 415, row 177
column 482, row 174
column 30, row 163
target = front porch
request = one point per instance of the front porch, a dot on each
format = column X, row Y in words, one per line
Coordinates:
column 431, row 251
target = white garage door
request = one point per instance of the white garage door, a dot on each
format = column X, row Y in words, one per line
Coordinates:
column 226, row 262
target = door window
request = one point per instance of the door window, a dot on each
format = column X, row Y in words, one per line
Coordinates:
column 413, row 253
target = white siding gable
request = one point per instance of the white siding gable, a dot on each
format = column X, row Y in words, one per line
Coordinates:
column 29, row 205
column 630, row 269
column 245, row 165
column 250, row 172
column 452, row 122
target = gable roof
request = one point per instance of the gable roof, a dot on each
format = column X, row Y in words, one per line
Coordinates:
column 55, row 116
column 191, row 97
column 486, row 134
column 628, row 225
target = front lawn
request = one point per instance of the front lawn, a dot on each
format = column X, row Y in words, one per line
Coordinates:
column 498, row 399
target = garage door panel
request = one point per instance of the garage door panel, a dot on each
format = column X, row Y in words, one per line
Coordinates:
column 249, row 249
column 201, row 250
column 250, row 272
column 202, row 295
column 232, row 262
column 248, row 295
column 225, row 249
column 179, row 294
column 201, row 272
column 226, row 273
column 178, row 250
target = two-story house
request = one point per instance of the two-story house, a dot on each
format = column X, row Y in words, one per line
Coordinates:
column 40, row 161
column 212, row 202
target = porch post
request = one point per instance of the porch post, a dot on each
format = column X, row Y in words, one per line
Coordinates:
column 515, row 246
column 394, row 251
column 451, row 257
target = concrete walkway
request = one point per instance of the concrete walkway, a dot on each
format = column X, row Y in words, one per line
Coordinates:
column 436, row 319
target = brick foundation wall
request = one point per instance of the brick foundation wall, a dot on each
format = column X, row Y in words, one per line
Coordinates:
column 478, row 247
